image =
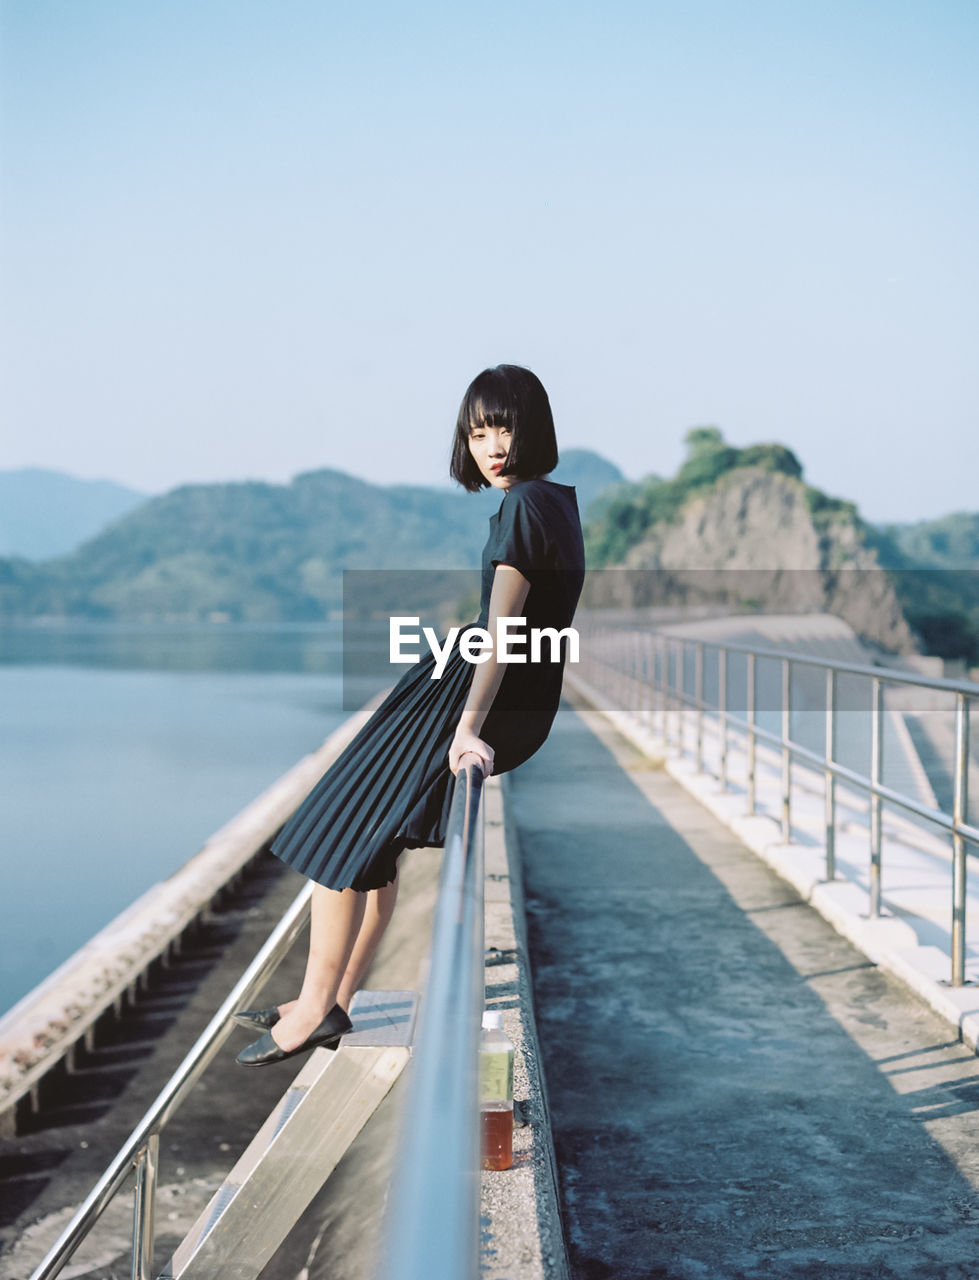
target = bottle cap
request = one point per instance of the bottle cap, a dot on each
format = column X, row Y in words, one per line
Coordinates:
column 492, row 1020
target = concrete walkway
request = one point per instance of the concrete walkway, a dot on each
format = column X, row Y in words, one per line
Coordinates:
column 736, row 1091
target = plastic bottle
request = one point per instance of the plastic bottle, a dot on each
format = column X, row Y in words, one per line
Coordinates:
column 496, row 1092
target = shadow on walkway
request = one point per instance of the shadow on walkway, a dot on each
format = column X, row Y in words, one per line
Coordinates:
column 735, row 1091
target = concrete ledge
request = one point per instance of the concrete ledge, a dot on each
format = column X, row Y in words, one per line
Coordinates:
column 521, row 1232
column 42, row 1027
column 891, row 941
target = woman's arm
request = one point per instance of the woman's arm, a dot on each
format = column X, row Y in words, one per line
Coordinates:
column 507, row 598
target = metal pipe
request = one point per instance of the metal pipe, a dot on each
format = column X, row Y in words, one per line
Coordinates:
column 671, row 651
column 649, row 681
column 722, row 712
column 752, row 744
column 663, row 650
column 890, row 674
column 755, row 732
column 636, row 675
column 625, row 683
column 843, row 774
column 786, row 821
column 829, row 776
column 144, row 1209
column 876, row 804
column 960, row 802
column 698, row 694
column 681, row 676
column 177, row 1087
column 433, row 1221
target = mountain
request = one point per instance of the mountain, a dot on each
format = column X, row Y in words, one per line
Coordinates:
column 48, row 513
column 949, row 543
column 735, row 528
column 263, row 552
column 936, row 565
column 740, row 529
column 589, row 473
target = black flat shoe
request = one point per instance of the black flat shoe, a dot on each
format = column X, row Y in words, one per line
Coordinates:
column 257, row 1019
column 326, row 1036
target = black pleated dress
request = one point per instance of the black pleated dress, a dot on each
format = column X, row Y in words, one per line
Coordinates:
column 390, row 788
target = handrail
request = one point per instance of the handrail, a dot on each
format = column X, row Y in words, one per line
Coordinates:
column 938, row 816
column 648, row 665
column 439, row 1235
column 893, row 675
column 432, row 1224
column 140, row 1148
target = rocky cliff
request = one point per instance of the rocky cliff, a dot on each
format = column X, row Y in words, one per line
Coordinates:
column 760, row 539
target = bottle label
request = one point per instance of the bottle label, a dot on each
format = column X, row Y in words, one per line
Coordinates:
column 496, row 1076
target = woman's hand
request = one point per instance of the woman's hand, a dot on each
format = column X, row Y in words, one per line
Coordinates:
column 466, row 741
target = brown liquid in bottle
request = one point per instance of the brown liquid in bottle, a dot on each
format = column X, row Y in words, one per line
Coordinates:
column 497, row 1126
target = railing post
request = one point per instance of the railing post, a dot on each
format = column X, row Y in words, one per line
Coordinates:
column 876, row 764
column 144, row 1209
column 625, row 678
column 698, row 693
column 662, row 650
column 752, row 742
column 680, row 673
column 640, row 668
column 786, row 823
column 649, row 683
column 960, row 804
column 722, row 711
column 637, row 674
column 635, row 703
column 830, row 776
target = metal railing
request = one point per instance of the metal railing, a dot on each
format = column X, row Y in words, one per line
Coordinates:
column 142, row 1147
column 436, row 1197
column 433, row 1221
column 646, row 672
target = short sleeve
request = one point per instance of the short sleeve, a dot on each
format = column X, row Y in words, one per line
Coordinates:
column 522, row 540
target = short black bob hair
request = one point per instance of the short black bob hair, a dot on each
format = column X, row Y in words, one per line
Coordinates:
column 507, row 396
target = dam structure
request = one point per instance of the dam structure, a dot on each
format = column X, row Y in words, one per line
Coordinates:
column 728, row 915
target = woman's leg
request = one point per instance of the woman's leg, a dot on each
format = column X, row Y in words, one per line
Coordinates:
column 335, row 920
column 377, row 916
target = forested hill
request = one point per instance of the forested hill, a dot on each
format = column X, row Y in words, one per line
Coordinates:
column 951, row 542
column 256, row 552
column 265, row 552
column 936, row 564
column 739, row 527
column 47, row 513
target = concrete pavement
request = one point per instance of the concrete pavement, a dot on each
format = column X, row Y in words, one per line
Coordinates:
column 735, row 1090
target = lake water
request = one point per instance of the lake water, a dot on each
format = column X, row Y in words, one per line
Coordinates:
column 122, row 748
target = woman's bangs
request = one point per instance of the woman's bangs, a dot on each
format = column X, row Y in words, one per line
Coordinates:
column 491, row 404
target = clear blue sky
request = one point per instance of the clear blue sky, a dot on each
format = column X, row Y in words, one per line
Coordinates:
column 242, row 240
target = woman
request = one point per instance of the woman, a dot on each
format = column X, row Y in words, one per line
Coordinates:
column 390, row 788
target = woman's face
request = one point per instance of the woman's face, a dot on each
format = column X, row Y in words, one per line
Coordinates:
column 489, row 447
